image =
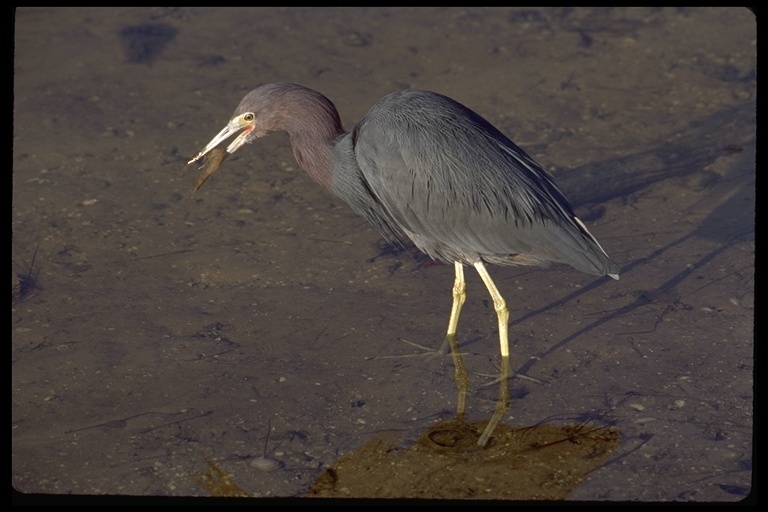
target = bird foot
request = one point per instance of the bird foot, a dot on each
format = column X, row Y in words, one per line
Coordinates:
column 427, row 352
column 497, row 377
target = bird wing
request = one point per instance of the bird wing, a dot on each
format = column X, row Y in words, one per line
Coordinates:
column 461, row 189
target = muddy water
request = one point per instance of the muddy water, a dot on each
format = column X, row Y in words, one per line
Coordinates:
column 168, row 329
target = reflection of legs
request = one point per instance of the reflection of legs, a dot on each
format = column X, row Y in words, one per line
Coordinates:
column 502, row 403
column 461, row 375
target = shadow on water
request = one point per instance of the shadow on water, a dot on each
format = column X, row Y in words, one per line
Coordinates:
column 730, row 223
column 597, row 183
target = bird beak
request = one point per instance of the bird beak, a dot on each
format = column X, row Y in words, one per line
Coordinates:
column 235, row 125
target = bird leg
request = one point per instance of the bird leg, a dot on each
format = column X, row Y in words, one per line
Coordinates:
column 461, row 374
column 502, row 403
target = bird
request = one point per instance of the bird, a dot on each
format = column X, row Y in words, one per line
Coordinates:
column 423, row 167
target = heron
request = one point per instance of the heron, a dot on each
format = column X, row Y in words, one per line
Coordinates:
column 424, row 167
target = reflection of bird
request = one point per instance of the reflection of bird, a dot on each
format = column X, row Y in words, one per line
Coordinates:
column 422, row 165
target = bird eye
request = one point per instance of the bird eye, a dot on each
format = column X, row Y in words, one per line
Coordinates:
column 248, row 117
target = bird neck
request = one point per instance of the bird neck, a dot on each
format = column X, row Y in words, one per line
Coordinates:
column 314, row 126
column 315, row 155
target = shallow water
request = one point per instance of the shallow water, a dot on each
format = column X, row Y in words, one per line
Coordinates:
column 170, row 328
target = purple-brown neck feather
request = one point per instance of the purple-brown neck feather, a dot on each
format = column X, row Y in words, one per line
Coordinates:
column 310, row 119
